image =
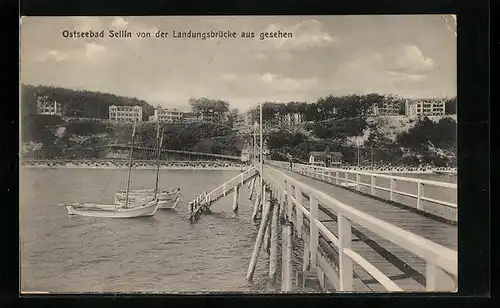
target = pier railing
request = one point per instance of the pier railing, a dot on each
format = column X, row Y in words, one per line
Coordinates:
column 441, row 262
column 207, row 198
column 436, row 197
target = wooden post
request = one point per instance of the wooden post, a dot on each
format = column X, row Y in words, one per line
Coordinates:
column 438, row 279
column 273, row 250
column 337, row 177
column 393, row 184
column 345, row 263
column 267, row 236
column 299, row 215
column 357, row 181
column 313, row 234
column 321, row 278
column 289, row 202
column 224, row 189
column 258, row 199
column 252, row 189
column 258, row 241
column 286, row 267
column 372, row 186
column 420, row 192
column 306, row 259
column 236, row 197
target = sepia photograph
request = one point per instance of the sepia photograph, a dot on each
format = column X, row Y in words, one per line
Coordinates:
column 238, row 154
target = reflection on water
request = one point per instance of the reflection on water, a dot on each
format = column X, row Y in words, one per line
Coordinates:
column 164, row 253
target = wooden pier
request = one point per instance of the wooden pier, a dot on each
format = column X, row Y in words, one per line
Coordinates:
column 204, row 201
column 346, row 234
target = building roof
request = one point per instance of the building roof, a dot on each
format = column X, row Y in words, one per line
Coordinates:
column 325, row 154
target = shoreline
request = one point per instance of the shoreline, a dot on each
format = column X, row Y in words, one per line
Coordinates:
column 211, row 168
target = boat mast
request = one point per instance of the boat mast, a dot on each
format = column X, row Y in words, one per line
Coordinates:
column 130, row 164
column 160, row 141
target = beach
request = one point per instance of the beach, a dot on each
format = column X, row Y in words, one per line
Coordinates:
column 143, row 165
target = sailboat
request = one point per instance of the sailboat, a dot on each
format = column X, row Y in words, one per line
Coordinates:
column 131, row 207
column 166, row 199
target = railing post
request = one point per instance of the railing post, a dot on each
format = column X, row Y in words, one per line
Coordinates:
column 393, row 184
column 438, row 280
column 345, row 263
column 273, row 250
column 337, row 177
column 313, row 228
column 287, row 248
column 224, row 189
column 299, row 215
column 289, row 201
column 346, row 176
column 372, row 185
column 236, row 197
column 420, row 192
column 357, row 181
column 258, row 199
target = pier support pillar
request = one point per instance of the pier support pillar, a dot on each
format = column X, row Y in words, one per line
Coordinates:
column 236, row 198
column 260, row 236
column 252, row 189
column 287, row 255
column 267, row 236
column 273, row 250
column 258, row 199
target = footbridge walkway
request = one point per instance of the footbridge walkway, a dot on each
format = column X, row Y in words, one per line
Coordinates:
column 356, row 231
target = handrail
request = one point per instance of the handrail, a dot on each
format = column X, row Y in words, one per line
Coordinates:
column 227, row 186
column 434, row 254
column 333, row 173
column 379, row 175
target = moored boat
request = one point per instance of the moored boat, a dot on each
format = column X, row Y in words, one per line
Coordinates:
column 133, row 206
column 166, row 199
column 113, row 211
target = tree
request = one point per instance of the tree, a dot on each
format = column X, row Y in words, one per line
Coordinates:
column 211, row 107
column 233, row 117
column 451, row 106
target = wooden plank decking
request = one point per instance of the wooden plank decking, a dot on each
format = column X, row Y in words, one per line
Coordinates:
column 405, row 269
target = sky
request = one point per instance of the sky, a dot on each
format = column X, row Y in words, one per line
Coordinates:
column 406, row 55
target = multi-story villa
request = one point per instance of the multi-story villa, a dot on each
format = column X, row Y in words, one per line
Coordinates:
column 429, row 107
column 168, row 115
column 125, row 113
column 47, row 107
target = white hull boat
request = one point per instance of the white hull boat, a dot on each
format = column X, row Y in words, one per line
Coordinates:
column 113, row 211
column 166, row 199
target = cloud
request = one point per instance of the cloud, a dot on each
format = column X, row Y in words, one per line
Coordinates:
column 94, row 51
column 399, row 76
column 280, row 83
column 88, row 23
column 305, row 35
column 53, row 55
column 410, row 59
column 90, row 53
column 119, row 22
column 227, row 77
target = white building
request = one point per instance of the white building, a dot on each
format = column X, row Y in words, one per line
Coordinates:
column 191, row 117
column 429, row 107
column 386, row 109
column 167, row 115
column 47, row 107
column 125, row 113
column 291, row 119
